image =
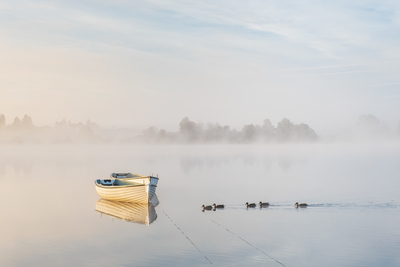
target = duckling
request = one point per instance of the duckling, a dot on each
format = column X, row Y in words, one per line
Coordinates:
column 251, row 205
column 221, row 206
column 206, row 207
column 265, row 204
column 301, row 205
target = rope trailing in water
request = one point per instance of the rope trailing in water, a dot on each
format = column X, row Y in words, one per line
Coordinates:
column 187, row 237
column 248, row 243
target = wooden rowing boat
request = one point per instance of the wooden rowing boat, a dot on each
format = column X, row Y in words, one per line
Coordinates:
column 127, row 188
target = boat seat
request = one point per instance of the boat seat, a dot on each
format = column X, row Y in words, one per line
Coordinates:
column 106, row 182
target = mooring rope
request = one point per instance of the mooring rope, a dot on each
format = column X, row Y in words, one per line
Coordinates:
column 186, row 237
column 248, row 243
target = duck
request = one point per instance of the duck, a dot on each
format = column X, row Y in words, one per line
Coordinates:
column 220, row 206
column 206, row 207
column 263, row 204
column 251, row 205
column 301, row 205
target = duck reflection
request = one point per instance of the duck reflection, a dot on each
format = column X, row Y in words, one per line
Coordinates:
column 143, row 213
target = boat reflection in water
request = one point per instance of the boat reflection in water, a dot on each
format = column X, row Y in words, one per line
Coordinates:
column 143, row 213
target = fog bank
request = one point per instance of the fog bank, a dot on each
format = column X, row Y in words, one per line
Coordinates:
column 366, row 128
column 190, row 132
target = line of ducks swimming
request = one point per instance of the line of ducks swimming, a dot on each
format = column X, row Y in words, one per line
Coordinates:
column 213, row 207
column 249, row 205
column 266, row 204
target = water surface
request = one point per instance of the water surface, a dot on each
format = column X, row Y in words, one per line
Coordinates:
column 49, row 215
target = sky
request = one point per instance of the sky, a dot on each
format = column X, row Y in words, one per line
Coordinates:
column 135, row 64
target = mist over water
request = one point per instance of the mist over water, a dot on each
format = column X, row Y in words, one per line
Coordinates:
column 366, row 128
column 49, row 216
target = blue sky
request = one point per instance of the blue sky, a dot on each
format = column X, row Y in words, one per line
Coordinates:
column 141, row 63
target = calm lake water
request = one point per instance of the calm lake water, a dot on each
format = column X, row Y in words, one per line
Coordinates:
column 49, row 216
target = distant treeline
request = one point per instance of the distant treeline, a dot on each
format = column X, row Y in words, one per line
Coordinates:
column 192, row 132
column 24, row 131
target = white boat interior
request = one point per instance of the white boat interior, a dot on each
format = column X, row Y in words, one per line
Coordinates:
column 137, row 178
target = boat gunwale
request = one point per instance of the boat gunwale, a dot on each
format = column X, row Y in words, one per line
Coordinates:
column 139, row 176
column 121, row 186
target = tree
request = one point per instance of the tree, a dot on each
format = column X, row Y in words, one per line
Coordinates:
column 190, row 130
column 370, row 126
column 27, row 122
column 16, row 123
column 285, row 130
column 62, row 123
column 268, row 131
column 249, row 133
column 303, row 132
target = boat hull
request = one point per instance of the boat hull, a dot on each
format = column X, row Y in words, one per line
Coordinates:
column 137, row 193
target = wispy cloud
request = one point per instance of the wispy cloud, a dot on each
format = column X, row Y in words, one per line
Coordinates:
column 383, row 84
column 331, row 73
column 332, row 30
column 390, row 96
